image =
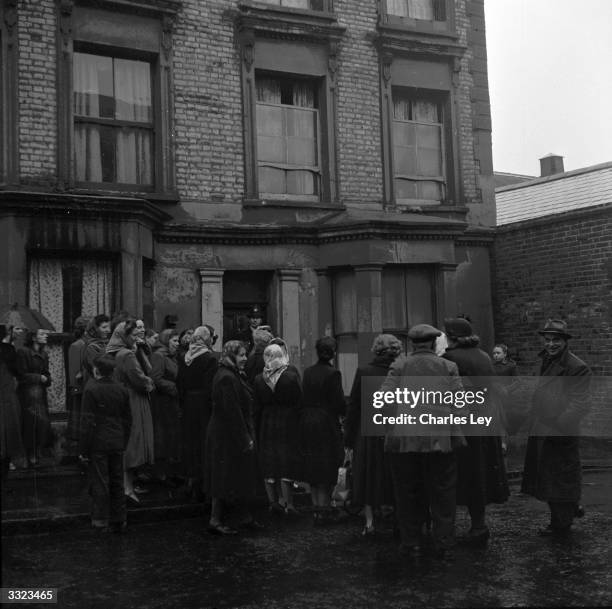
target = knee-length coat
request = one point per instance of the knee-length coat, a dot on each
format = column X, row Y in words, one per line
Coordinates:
column 278, row 412
column 481, row 471
column 552, row 469
column 372, row 483
column 165, row 404
column 320, row 438
column 230, row 466
column 195, row 384
column 32, row 393
column 11, row 444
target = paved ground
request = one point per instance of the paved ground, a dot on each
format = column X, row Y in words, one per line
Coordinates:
column 293, row 565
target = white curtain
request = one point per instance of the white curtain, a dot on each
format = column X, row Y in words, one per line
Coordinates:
column 397, row 7
column 46, row 290
column 425, row 111
column 421, row 9
column 92, row 80
column 97, row 288
column 47, row 296
column 268, row 90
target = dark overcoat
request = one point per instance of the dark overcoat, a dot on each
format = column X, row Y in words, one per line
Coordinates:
column 195, row 388
column 372, row 483
column 165, row 404
column 11, row 444
column 552, row 469
column 32, row 394
column 320, row 438
column 278, row 412
column 230, row 468
column 481, row 471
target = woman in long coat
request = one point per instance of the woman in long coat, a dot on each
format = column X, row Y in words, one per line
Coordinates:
column 34, row 378
column 11, row 444
column 195, row 375
column 129, row 372
column 230, row 473
column 165, row 402
column 372, row 485
column 481, row 473
column 320, row 438
column 278, row 396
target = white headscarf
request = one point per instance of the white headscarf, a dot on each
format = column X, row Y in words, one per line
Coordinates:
column 198, row 345
column 275, row 364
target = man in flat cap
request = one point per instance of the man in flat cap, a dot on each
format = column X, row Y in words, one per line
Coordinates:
column 423, row 468
column 552, row 471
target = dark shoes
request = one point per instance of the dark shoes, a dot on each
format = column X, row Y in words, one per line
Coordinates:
column 221, row 529
column 251, row 525
column 276, row 509
column 368, row 531
column 579, row 512
column 291, row 513
column 132, row 499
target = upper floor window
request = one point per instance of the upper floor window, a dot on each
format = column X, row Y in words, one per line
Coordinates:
column 418, row 147
column 113, row 120
column 288, row 137
column 309, row 5
column 427, row 10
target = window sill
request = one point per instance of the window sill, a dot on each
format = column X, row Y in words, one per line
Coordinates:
column 261, row 203
column 292, row 22
column 419, row 39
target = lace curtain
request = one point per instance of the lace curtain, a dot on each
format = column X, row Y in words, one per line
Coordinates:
column 46, row 294
column 417, row 9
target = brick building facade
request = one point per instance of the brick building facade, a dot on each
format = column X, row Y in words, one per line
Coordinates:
column 329, row 161
column 553, row 258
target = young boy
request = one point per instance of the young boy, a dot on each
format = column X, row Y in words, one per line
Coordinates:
column 106, row 423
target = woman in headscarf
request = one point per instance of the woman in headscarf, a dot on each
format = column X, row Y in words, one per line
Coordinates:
column 372, row 486
column 481, row 473
column 320, row 438
column 129, row 372
column 230, row 442
column 195, row 375
column 255, row 361
column 278, row 395
column 165, row 402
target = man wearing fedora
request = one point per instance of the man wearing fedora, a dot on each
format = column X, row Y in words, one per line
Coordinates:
column 552, row 471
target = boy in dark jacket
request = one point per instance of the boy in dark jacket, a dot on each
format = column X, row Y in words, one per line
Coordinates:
column 106, row 423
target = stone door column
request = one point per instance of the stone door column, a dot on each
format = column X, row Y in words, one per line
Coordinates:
column 289, row 313
column 325, row 311
column 212, row 301
column 368, row 289
column 446, row 290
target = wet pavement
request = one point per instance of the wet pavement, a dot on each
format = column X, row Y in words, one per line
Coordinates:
column 293, row 565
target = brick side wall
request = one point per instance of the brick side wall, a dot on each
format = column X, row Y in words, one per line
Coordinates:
column 37, row 93
column 557, row 268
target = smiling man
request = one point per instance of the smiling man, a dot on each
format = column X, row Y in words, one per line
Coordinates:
column 552, row 471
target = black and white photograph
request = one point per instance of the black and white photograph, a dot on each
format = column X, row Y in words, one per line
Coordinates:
column 305, row 304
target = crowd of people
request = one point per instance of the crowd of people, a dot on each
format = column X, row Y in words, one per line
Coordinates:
column 166, row 406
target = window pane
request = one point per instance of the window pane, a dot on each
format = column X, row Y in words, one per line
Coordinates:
column 393, row 299
column 269, row 120
column 134, row 156
column 93, row 86
column 345, row 303
column 397, row 7
column 404, row 134
column 133, row 90
column 94, row 153
column 301, row 183
column 405, row 189
column 429, row 190
column 271, row 149
column 272, row 181
column 421, row 9
column 404, row 160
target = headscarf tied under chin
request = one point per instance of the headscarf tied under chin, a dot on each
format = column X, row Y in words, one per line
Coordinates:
column 117, row 340
column 276, row 363
column 198, row 345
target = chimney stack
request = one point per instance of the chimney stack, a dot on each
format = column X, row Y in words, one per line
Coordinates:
column 550, row 165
